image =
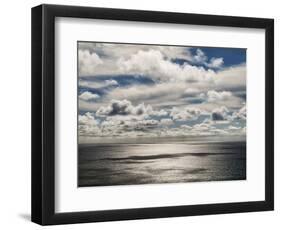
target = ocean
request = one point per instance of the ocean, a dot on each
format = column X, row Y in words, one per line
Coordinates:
column 166, row 161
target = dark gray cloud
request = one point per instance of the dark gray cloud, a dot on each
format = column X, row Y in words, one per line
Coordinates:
column 125, row 108
column 121, row 107
column 220, row 114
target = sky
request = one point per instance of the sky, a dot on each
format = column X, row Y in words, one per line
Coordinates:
column 134, row 90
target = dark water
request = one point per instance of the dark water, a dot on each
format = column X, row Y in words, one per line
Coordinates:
column 174, row 162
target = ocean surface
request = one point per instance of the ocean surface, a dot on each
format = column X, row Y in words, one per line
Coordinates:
column 176, row 161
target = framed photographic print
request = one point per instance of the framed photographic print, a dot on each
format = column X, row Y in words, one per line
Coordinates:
column 142, row 114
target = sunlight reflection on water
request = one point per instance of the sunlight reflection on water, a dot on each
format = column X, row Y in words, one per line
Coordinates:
column 123, row 164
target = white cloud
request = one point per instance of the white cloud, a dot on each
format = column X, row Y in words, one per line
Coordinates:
column 215, row 63
column 166, row 122
column 127, row 128
column 200, row 57
column 139, row 126
column 241, row 114
column 155, row 63
column 122, row 107
column 231, row 78
column 231, row 127
column 192, row 92
column 152, row 63
column 201, row 127
column 114, row 55
column 88, row 96
column 97, row 84
column 88, row 62
column 125, row 107
column 186, row 127
column 214, row 96
column 159, row 113
column 185, row 114
column 171, row 92
column 175, row 52
column 110, row 82
column 234, row 130
column 165, row 93
column 87, row 119
column 114, row 51
column 144, row 124
column 88, row 125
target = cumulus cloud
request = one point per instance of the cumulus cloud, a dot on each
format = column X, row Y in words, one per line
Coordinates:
column 214, row 96
column 201, row 127
column 220, row 114
column 215, row 63
column 192, row 92
column 185, row 114
column 187, row 127
column 110, row 82
column 169, row 75
column 171, row 92
column 200, row 57
column 114, row 51
column 132, row 126
column 87, row 119
column 158, row 94
column 125, row 107
column 114, row 55
column 115, row 126
column 90, row 84
column 166, row 122
column 127, row 128
column 156, row 62
column 159, row 113
column 231, row 127
column 88, row 125
column 153, row 63
column 232, row 78
column 175, row 52
column 88, row 96
column 236, row 130
column 88, row 62
column 241, row 114
column 144, row 124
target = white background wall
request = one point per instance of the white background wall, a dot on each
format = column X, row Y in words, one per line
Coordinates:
column 15, row 114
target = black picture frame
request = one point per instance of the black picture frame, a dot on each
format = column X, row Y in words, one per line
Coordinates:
column 43, row 114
